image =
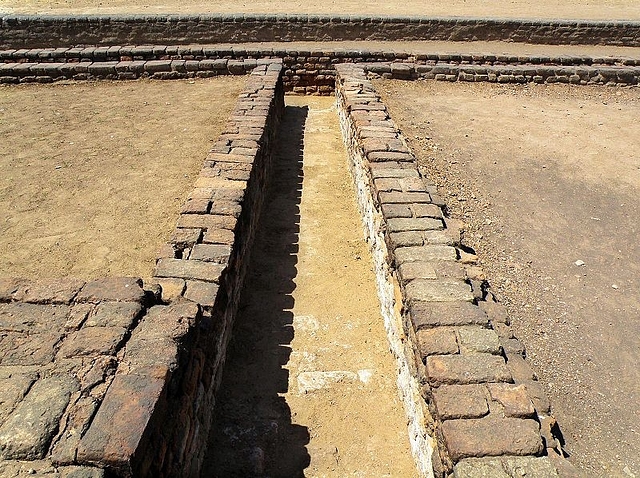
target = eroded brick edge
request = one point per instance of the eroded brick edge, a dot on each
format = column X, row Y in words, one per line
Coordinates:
column 108, row 376
column 473, row 403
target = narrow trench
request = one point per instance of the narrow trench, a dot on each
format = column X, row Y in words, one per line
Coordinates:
column 309, row 387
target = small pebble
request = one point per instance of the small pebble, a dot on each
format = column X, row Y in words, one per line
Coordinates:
column 579, row 263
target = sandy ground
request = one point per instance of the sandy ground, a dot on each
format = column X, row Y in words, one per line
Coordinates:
column 310, row 385
column 571, row 9
column 94, row 175
column 544, row 177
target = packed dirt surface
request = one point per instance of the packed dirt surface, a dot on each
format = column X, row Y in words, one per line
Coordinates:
column 569, row 9
column 95, row 174
column 547, row 180
column 310, row 385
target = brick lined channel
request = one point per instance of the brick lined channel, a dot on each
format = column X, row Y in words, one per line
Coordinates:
column 309, row 386
column 487, row 414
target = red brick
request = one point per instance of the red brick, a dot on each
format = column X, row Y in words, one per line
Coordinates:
column 204, row 293
column 184, row 237
column 460, row 401
column 49, row 291
column 117, row 429
column 465, row 369
column 122, row 289
column 491, row 436
column 196, row 206
column 219, row 236
column 416, row 270
column 520, row 369
column 206, row 221
column 433, row 314
column 445, row 290
column 188, row 269
column 513, row 398
column 92, row 341
column 439, row 340
column 496, row 312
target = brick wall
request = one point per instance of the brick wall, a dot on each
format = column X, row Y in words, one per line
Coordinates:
column 463, row 376
column 52, row 31
column 110, row 378
column 305, row 70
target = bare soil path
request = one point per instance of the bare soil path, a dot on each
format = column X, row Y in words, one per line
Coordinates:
column 310, row 386
column 568, row 9
column 547, row 179
column 94, row 174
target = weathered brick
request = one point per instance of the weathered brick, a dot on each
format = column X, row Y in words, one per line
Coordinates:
column 28, row 348
column 449, row 270
column 437, row 291
column 13, row 387
column 520, row 369
column 506, row 467
column 203, row 293
column 226, row 208
column 114, row 314
column 465, row 369
column 28, row 431
column 218, row 253
column 184, row 237
column 439, row 340
column 428, row 253
column 418, row 238
column 379, row 155
column 218, row 236
column 153, row 346
column 206, row 222
column 426, row 210
column 387, row 184
column 414, row 224
column 403, row 197
column 460, row 401
column 538, row 395
column 123, row 289
column 116, row 430
column 391, row 172
column 513, row 398
column 408, row 271
column 396, row 210
column 196, row 206
column 491, row 436
column 49, row 291
column 456, row 313
column 479, row 339
column 513, row 346
column 495, row 311
column 172, row 288
column 92, row 341
column 187, row 269
column 74, row 425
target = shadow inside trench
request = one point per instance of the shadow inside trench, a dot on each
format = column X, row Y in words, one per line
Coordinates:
column 252, row 433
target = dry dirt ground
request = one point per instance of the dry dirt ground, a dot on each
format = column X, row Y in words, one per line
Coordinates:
column 547, row 180
column 572, row 9
column 310, row 385
column 94, row 174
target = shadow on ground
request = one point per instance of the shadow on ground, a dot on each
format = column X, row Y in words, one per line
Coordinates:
column 252, row 433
